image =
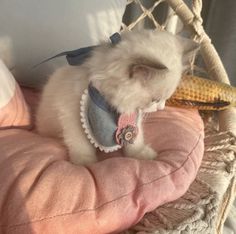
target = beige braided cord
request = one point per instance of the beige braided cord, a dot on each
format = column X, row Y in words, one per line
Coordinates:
column 194, row 21
column 227, row 118
column 145, row 13
column 203, row 209
column 211, row 58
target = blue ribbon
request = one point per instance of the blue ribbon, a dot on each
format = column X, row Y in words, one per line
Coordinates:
column 99, row 100
column 77, row 57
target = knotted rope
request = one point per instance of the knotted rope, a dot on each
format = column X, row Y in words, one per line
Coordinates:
column 204, row 207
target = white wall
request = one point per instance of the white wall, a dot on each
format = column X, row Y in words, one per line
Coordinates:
column 42, row 28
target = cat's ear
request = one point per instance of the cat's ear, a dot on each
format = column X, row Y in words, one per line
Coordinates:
column 189, row 49
column 145, row 72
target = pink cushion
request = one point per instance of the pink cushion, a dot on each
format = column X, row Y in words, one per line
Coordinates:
column 13, row 109
column 41, row 192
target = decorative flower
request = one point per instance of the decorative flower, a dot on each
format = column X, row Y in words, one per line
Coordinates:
column 127, row 135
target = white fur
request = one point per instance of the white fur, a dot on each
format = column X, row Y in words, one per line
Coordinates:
column 145, row 66
column 6, row 51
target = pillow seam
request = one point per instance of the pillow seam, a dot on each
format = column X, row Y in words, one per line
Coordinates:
column 108, row 202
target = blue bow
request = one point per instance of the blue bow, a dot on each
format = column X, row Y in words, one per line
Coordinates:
column 77, row 57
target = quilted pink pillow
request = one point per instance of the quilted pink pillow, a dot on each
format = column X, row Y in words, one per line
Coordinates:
column 41, row 192
column 13, row 109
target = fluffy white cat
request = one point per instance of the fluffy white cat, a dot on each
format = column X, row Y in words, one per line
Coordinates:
column 145, row 67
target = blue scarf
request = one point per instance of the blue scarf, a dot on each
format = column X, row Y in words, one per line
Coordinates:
column 102, row 118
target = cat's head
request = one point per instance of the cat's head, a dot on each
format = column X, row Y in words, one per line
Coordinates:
column 144, row 67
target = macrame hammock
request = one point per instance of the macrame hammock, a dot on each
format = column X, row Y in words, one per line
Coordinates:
column 205, row 206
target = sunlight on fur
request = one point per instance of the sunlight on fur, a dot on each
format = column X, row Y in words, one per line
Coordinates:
column 143, row 69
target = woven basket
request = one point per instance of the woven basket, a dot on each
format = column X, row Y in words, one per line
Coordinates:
column 204, row 208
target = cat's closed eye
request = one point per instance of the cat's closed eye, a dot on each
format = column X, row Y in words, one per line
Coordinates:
column 156, row 100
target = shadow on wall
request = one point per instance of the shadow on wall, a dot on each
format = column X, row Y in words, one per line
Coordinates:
column 41, row 29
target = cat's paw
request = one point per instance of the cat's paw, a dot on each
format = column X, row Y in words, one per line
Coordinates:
column 83, row 159
column 146, row 152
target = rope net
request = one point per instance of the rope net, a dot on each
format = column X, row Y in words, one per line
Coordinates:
column 204, row 207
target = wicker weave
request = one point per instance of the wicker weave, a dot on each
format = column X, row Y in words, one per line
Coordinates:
column 204, row 208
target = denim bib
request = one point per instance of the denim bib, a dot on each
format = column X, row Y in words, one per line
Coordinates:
column 106, row 129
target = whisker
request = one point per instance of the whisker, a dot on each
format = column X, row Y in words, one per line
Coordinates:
column 145, row 115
